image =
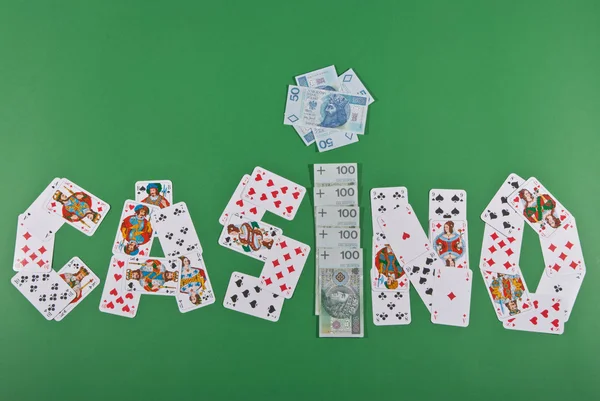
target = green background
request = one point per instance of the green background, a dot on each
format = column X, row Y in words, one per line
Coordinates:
column 110, row 92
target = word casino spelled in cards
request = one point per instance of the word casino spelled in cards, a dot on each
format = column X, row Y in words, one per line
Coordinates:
column 244, row 232
column 55, row 294
column 328, row 109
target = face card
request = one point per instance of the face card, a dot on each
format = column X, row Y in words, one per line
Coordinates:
column 195, row 290
column 337, row 216
column 240, row 206
column 246, row 295
column 31, row 253
column 565, row 286
column 39, row 222
column 562, row 251
column 451, row 304
column 281, row 272
column 249, row 237
column 449, row 239
column 157, row 193
column 336, row 195
column 81, row 279
column 404, row 233
column 78, row 207
column 498, row 212
column 47, row 292
column 276, row 194
column 335, row 173
column 501, row 253
column 447, row 204
column 159, row 276
column 383, row 200
column 176, row 231
column 548, row 316
column 508, row 293
column 386, row 272
column 539, row 207
column 421, row 273
column 115, row 300
column 135, row 233
column 390, row 308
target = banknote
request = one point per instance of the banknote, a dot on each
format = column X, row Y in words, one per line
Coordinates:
column 341, row 307
column 331, row 139
column 350, row 83
column 325, row 109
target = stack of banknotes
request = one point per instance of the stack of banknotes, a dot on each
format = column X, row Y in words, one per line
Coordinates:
column 339, row 279
column 331, row 120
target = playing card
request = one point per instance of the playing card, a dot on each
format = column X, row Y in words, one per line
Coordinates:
column 500, row 253
column 81, row 279
column 157, row 193
column 195, row 289
column 135, row 233
column 338, row 237
column 449, row 239
column 78, row 207
column 386, row 272
column 115, row 300
column 447, row 204
column 238, row 205
column 337, row 216
column 47, row 292
column 498, row 213
column 404, row 233
column 565, row 286
column 337, row 173
column 451, row 302
column 159, row 276
column 281, row 272
column 540, row 209
column 390, row 308
column 276, row 194
column 176, row 231
column 421, row 273
column 31, row 253
column 383, row 200
column 548, row 316
column 246, row 295
column 508, row 293
column 337, row 195
column 562, row 251
column 39, row 222
column 249, row 237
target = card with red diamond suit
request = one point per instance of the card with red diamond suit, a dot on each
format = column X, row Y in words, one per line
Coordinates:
column 540, row 209
column 114, row 299
column 31, row 253
column 386, row 272
column 282, row 270
column 500, row 253
column 451, row 303
column 240, row 206
column 78, row 207
column 274, row 193
column 40, row 222
column 508, row 293
column 562, row 251
column 548, row 316
column 404, row 233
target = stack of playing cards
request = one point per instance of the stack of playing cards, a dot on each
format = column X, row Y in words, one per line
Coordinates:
column 133, row 271
column 546, row 310
column 243, row 231
column 55, row 294
column 332, row 120
column 339, row 263
column 437, row 267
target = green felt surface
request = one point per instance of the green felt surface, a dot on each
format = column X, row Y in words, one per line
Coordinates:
column 110, row 92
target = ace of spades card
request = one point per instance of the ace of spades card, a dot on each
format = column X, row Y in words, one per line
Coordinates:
column 449, row 240
column 158, row 276
column 540, row 209
column 47, row 292
column 385, row 199
column 135, row 233
column 508, row 293
column 451, row 303
column 115, row 300
column 386, row 272
column 157, row 193
column 390, row 308
column 282, row 270
column 246, row 295
column 249, row 237
column 31, row 253
column 498, row 212
column 78, row 207
column 240, row 206
column 447, row 204
column 80, row 279
column 176, row 231
column 500, row 253
column 195, row 289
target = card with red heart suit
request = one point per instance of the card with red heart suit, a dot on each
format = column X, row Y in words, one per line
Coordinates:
column 548, row 316
column 135, row 233
column 404, row 233
column 274, row 193
column 114, row 299
column 240, row 206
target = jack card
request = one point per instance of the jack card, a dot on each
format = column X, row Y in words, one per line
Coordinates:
column 159, row 276
column 81, row 279
column 135, row 233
